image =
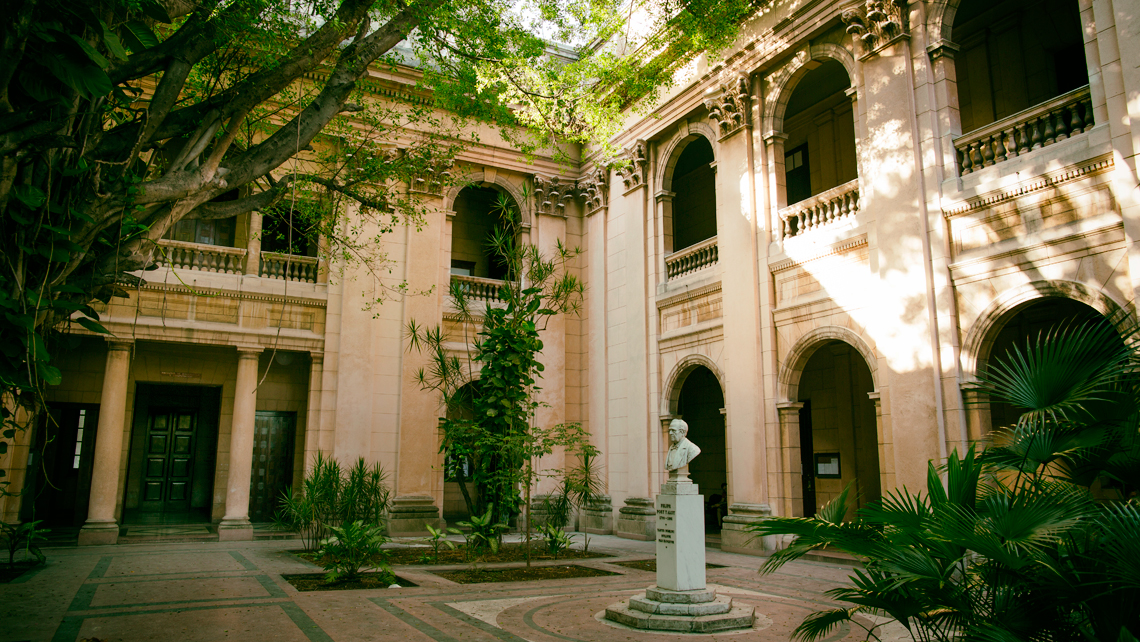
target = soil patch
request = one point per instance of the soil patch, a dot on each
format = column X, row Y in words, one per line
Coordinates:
column 9, row 573
column 510, row 552
column 651, row 565
column 316, row 582
column 521, row 574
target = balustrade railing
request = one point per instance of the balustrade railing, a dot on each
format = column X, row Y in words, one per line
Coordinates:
column 199, row 256
column 693, row 258
column 289, row 267
column 836, row 204
column 1039, row 126
column 477, row 288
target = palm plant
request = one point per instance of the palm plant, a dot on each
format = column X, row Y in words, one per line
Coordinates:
column 1035, row 537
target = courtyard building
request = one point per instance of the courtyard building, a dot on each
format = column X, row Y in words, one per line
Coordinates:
column 811, row 248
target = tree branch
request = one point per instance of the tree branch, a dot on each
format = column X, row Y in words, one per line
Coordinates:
column 15, row 34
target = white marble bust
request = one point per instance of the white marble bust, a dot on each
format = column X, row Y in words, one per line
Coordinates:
column 681, row 450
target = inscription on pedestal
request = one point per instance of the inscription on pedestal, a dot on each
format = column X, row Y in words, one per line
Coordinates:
column 665, row 523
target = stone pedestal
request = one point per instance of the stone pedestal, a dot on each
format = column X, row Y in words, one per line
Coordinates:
column 680, row 601
column 736, row 535
column 637, row 519
column 598, row 518
column 410, row 515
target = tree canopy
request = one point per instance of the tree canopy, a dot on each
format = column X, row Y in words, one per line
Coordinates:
column 120, row 118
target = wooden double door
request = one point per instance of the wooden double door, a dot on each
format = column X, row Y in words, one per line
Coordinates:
column 174, row 443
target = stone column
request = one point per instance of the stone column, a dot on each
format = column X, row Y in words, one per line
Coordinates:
column 101, row 526
column 313, row 410
column 253, row 247
column 886, row 449
column 791, row 473
column 235, row 525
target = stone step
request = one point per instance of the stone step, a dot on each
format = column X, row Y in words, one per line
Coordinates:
column 740, row 617
column 717, row 606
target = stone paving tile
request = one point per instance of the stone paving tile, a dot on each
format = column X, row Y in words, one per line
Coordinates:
column 217, row 591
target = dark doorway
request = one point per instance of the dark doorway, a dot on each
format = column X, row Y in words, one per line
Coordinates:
column 272, row 462
column 700, row 404
column 59, row 471
column 807, row 463
column 174, row 442
column 694, row 203
column 1023, row 330
column 797, row 173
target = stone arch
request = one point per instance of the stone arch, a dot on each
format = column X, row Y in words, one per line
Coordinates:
column 805, row 347
column 940, row 19
column 979, row 340
column 479, row 178
column 671, row 150
column 677, row 376
column 784, row 80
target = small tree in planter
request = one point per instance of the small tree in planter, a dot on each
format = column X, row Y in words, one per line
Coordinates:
column 501, row 440
column 331, row 496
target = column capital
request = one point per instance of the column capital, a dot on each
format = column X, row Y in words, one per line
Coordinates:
column 249, row 352
column 664, row 196
column 875, row 396
column 773, row 137
column 117, row 343
column 789, row 407
column 317, row 357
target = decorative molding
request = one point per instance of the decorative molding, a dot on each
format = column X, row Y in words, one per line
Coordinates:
column 432, row 180
column 877, row 24
column 243, row 296
column 942, row 49
column 1096, row 165
column 838, row 248
column 688, row 295
column 594, row 189
column 633, row 174
column 551, row 194
column 730, row 110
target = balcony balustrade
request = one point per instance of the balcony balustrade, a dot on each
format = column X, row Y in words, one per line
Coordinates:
column 836, row 204
column 289, row 267
column 1045, row 124
column 477, row 288
column 199, row 256
column 693, row 258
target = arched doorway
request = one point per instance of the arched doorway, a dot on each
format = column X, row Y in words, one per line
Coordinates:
column 693, row 183
column 457, row 471
column 478, row 211
column 839, row 437
column 819, row 153
column 701, row 404
column 1022, row 328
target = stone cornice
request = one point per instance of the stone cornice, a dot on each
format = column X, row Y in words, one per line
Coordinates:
column 838, row 248
column 688, row 295
column 242, row 295
column 1096, row 165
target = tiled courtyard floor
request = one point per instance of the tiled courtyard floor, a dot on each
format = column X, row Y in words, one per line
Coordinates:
column 234, row 591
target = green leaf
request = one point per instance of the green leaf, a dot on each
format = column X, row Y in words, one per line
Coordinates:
column 50, row 374
column 92, row 54
column 31, row 196
column 92, row 325
column 155, row 11
column 3, row 447
column 139, row 37
column 114, row 44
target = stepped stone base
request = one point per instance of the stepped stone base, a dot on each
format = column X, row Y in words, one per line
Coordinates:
column 700, row 611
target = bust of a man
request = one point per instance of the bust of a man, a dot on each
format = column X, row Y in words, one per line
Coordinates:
column 681, row 450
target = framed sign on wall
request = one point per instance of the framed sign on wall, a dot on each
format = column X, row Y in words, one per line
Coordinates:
column 827, row 465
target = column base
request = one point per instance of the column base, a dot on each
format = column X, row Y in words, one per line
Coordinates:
column 637, row 519
column 598, row 518
column 235, row 530
column 99, row 533
column 736, row 535
column 410, row 515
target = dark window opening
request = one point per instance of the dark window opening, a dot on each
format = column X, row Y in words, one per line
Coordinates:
column 283, row 234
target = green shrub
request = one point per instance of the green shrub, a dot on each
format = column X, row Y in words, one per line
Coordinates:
column 439, row 538
column 330, row 496
column 1036, row 537
column 556, row 539
column 484, row 534
column 350, row 548
column 23, row 536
